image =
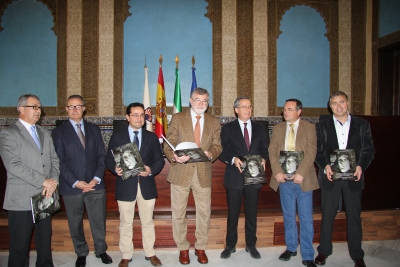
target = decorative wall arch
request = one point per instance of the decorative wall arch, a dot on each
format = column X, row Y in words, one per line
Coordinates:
column 276, row 9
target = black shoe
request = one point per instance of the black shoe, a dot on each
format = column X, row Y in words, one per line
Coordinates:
column 320, row 259
column 253, row 253
column 309, row 263
column 105, row 258
column 285, row 256
column 80, row 261
column 227, row 252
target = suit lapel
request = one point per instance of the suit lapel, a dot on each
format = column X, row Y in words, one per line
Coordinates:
column 27, row 135
column 354, row 126
column 299, row 136
column 331, row 133
column 72, row 133
column 237, row 131
column 189, row 127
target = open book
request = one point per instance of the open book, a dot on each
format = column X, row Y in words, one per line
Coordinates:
column 127, row 157
column 44, row 207
column 190, row 149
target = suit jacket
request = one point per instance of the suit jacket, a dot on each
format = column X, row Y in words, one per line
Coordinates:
column 306, row 141
column 76, row 162
column 233, row 145
column 359, row 139
column 151, row 154
column 181, row 130
column 26, row 165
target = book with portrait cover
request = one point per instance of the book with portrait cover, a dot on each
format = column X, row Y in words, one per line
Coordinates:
column 127, row 157
column 252, row 170
column 343, row 164
column 290, row 161
column 44, row 207
column 190, row 149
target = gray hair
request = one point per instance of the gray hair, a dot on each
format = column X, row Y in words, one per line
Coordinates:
column 236, row 103
column 23, row 99
column 199, row 91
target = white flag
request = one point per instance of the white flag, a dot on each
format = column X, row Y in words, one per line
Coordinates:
column 146, row 102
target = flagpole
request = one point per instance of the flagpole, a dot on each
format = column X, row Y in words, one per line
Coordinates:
column 177, row 93
column 146, row 100
column 161, row 117
column 194, row 82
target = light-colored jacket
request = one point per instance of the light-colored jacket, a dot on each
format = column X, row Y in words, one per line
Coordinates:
column 306, row 140
column 26, row 165
column 181, row 130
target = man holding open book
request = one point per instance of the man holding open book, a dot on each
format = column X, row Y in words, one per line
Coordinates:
column 193, row 125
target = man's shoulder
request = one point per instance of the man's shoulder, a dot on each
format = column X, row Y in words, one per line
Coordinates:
column 10, row 130
column 280, row 125
column 359, row 120
column 90, row 125
column 306, row 123
column 325, row 121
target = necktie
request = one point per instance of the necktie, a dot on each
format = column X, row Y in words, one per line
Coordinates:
column 34, row 136
column 246, row 136
column 136, row 139
column 80, row 134
column 291, row 139
column 197, row 131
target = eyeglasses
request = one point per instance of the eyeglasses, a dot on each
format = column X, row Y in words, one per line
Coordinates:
column 142, row 116
column 78, row 107
column 246, row 107
column 34, row 107
column 197, row 101
column 288, row 110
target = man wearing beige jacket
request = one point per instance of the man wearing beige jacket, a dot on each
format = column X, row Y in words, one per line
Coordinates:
column 295, row 135
column 204, row 129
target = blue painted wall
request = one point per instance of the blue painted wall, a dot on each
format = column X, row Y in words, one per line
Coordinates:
column 389, row 17
column 28, row 49
column 170, row 28
column 303, row 63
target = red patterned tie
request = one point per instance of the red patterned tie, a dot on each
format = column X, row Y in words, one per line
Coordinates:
column 246, row 137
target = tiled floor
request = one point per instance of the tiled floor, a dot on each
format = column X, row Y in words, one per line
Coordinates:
column 377, row 253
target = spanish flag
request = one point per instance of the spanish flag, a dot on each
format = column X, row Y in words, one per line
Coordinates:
column 161, row 107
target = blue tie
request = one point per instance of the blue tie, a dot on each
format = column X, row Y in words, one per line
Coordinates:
column 136, row 139
column 34, row 136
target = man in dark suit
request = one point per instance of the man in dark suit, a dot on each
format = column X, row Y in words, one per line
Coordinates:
column 193, row 125
column 32, row 166
column 80, row 147
column 239, row 138
column 140, row 189
column 295, row 191
column 342, row 131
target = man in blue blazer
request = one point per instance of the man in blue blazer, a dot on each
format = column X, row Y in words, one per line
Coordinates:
column 233, row 136
column 342, row 131
column 32, row 166
column 140, row 189
column 81, row 151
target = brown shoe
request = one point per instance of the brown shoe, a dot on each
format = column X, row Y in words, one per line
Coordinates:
column 201, row 256
column 359, row 263
column 154, row 260
column 124, row 263
column 320, row 259
column 184, row 257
